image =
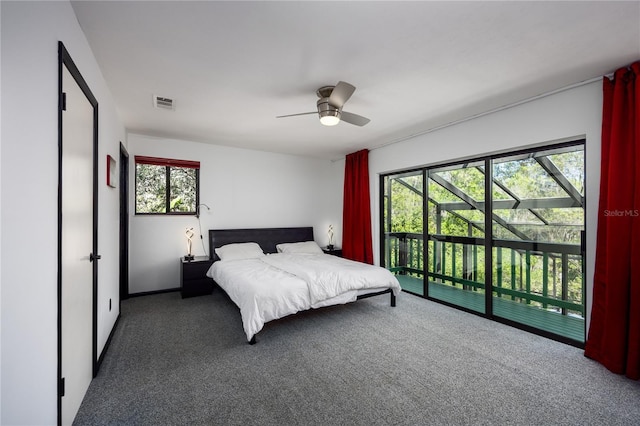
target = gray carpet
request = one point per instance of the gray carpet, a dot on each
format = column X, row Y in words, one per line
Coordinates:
column 178, row 361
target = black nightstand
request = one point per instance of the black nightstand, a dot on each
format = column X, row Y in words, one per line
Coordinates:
column 334, row 251
column 193, row 276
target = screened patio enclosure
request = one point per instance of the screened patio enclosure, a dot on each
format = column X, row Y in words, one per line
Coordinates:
column 502, row 236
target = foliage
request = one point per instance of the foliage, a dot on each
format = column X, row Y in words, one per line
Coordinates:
column 150, row 188
column 152, row 193
column 465, row 187
column 183, row 189
column 406, row 204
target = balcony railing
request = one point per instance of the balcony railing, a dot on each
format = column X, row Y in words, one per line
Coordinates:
column 529, row 272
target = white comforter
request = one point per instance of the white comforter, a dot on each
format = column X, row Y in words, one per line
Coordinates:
column 278, row 285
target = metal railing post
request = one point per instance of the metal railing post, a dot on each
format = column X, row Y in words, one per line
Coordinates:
column 545, row 277
column 528, row 274
column 499, row 268
column 402, row 252
column 565, row 279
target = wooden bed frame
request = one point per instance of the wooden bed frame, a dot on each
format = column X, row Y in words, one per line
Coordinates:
column 268, row 238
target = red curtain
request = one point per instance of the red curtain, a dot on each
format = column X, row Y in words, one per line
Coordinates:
column 356, row 213
column 614, row 332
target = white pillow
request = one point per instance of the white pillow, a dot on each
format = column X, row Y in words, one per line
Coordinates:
column 239, row 251
column 307, row 247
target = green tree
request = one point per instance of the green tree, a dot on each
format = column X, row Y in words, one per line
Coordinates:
column 151, row 189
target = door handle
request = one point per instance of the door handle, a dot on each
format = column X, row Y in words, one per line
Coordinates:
column 93, row 257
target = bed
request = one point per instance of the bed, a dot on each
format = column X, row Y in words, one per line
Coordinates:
column 270, row 273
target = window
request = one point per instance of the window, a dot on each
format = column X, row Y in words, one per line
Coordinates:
column 499, row 235
column 166, row 186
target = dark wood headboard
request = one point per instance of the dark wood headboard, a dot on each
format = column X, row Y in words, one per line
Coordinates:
column 267, row 238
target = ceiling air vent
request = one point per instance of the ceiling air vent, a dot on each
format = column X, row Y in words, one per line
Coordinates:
column 163, row 102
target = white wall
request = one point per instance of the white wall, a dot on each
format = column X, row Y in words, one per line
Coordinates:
column 29, row 170
column 243, row 188
column 573, row 113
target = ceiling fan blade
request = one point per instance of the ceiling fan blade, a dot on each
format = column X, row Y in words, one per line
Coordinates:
column 341, row 94
column 300, row 113
column 351, row 118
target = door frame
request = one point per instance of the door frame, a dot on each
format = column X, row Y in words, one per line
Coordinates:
column 64, row 59
column 124, row 223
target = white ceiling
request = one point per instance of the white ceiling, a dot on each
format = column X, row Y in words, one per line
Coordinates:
column 232, row 67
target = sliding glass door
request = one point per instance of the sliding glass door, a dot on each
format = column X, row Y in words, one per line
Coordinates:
column 456, row 232
column 403, row 247
column 503, row 236
column 538, row 229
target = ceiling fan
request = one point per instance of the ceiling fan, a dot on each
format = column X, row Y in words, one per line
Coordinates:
column 332, row 99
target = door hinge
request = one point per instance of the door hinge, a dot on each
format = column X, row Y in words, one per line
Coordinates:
column 61, row 387
column 64, row 101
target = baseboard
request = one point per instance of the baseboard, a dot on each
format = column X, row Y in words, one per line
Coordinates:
column 149, row 293
column 106, row 345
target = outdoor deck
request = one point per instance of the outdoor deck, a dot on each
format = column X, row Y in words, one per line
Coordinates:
column 563, row 325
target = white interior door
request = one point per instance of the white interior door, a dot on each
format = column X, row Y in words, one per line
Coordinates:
column 77, row 245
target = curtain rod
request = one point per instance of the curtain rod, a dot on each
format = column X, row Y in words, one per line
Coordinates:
column 498, row 109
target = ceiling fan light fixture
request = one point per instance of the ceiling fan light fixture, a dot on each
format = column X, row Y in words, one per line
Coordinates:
column 330, row 118
column 329, row 114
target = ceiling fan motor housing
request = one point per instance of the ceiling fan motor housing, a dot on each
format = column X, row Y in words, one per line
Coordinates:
column 325, row 109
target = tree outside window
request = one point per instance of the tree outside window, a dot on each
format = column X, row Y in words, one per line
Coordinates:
column 166, row 186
